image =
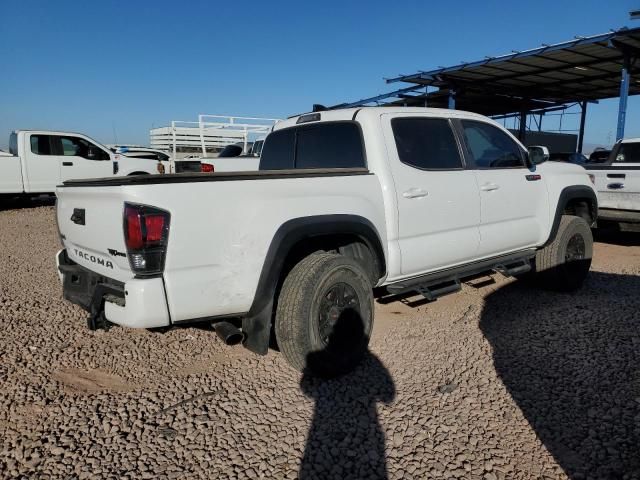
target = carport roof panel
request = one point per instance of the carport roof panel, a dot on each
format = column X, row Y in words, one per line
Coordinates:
column 586, row 68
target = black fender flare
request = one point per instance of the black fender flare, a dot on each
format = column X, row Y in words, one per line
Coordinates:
column 566, row 195
column 256, row 325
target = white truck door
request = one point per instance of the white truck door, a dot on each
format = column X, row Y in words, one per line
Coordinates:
column 513, row 198
column 42, row 165
column 618, row 183
column 80, row 158
column 438, row 198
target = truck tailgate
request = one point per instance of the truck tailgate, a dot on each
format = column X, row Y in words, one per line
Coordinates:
column 90, row 221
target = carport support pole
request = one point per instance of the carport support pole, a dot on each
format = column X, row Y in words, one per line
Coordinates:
column 452, row 99
column 624, row 94
column 583, row 116
column 522, row 130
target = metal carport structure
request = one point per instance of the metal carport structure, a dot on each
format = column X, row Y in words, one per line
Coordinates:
column 583, row 70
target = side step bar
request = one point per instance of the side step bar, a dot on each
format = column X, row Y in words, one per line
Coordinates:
column 431, row 292
column 438, row 284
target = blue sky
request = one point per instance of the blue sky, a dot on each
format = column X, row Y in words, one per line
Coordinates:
column 96, row 66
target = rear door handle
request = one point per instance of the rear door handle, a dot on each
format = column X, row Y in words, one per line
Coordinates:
column 488, row 187
column 67, row 164
column 415, row 193
column 616, row 175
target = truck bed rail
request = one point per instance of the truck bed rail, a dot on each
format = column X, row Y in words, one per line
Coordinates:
column 215, row 177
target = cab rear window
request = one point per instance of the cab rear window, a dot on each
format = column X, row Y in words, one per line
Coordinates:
column 321, row 145
column 13, row 144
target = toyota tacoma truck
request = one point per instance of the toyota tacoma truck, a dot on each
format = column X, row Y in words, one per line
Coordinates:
column 618, row 183
column 347, row 206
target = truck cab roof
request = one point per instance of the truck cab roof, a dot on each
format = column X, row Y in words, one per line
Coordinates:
column 49, row 132
column 630, row 140
column 348, row 114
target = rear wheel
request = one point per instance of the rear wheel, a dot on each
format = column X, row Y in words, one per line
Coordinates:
column 325, row 315
column 564, row 264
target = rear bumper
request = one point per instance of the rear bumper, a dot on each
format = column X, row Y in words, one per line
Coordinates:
column 136, row 303
column 615, row 215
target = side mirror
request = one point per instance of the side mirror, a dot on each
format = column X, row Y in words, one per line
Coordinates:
column 538, row 154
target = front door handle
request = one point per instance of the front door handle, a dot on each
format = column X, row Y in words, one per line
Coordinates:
column 67, row 164
column 415, row 193
column 488, row 187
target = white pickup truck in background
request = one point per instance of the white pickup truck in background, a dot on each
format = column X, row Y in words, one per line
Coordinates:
column 347, row 205
column 168, row 165
column 40, row 160
column 233, row 158
column 618, row 183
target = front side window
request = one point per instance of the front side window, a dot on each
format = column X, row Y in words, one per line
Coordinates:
column 41, row 145
column 490, row 147
column 426, row 143
column 628, row 153
column 79, row 147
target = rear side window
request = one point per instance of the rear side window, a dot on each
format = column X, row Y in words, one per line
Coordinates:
column 323, row 145
column 490, row 147
column 426, row 143
column 41, row 145
column 13, row 144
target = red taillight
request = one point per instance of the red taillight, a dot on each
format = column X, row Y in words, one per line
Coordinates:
column 155, row 227
column 133, row 228
column 146, row 232
column 206, row 168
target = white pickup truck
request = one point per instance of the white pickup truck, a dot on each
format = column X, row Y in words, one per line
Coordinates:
column 41, row 159
column 618, row 183
column 232, row 159
column 348, row 205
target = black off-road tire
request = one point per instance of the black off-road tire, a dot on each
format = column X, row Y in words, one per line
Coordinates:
column 325, row 315
column 564, row 264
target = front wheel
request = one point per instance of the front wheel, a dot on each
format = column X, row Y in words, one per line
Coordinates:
column 564, row 264
column 325, row 315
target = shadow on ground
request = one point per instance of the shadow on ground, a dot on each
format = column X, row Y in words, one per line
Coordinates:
column 629, row 236
column 345, row 439
column 17, row 203
column 571, row 362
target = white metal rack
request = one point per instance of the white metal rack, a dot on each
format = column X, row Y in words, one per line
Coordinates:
column 210, row 132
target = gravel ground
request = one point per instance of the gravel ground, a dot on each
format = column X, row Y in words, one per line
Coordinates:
column 499, row 381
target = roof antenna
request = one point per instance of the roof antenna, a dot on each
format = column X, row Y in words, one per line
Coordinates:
column 113, row 127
